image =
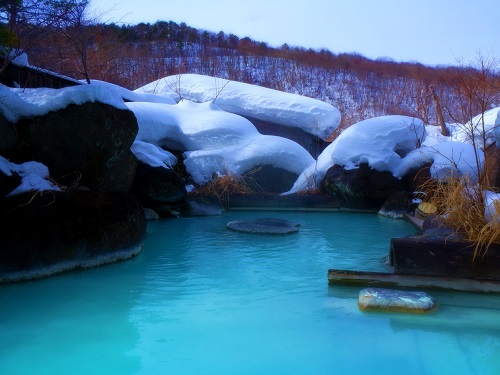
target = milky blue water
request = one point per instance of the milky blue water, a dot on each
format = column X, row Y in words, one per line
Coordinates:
column 201, row 299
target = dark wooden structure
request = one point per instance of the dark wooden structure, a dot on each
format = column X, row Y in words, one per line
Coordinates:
column 427, row 263
column 390, row 280
column 33, row 77
column 442, row 258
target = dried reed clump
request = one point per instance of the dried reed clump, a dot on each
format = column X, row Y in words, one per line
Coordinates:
column 312, row 185
column 309, row 191
column 223, row 187
column 460, row 203
column 490, row 234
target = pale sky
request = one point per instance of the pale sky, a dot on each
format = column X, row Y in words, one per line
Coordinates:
column 432, row 32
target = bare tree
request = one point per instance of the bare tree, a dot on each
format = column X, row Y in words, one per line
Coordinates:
column 477, row 87
column 23, row 24
column 82, row 30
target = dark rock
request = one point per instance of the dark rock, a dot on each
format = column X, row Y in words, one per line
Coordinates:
column 395, row 300
column 433, row 222
column 397, row 205
column 434, row 228
column 311, row 143
column 87, row 144
column 8, row 136
column 492, row 165
column 8, row 183
column 269, row 179
column 264, row 226
column 361, row 188
column 121, row 175
column 43, row 234
column 151, row 214
column 419, row 177
column 206, row 206
column 158, row 185
column 289, row 201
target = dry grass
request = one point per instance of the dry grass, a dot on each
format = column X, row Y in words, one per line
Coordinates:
column 223, row 187
column 460, row 203
column 311, row 186
column 307, row 192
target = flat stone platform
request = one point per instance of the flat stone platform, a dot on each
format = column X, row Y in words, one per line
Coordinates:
column 264, row 226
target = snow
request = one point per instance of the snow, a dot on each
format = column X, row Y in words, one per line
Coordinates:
column 491, row 206
column 17, row 103
column 311, row 115
column 15, row 56
column 470, row 132
column 486, row 126
column 34, row 176
column 214, row 142
column 153, row 155
column 448, row 159
column 209, row 128
column 380, row 142
column 131, row 95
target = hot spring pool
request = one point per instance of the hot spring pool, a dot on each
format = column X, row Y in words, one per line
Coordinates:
column 201, row 299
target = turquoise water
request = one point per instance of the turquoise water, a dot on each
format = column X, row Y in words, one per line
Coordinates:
column 201, row 299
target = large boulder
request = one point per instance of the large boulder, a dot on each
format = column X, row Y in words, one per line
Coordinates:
column 8, row 136
column 158, row 187
column 269, row 179
column 8, row 182
column 47, row 233
column 361, row 188
column 87, row 144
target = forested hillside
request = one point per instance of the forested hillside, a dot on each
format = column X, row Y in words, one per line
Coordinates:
column 132, row 56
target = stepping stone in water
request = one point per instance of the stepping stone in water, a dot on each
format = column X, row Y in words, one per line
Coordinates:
column 380, row 299
column 264, row 226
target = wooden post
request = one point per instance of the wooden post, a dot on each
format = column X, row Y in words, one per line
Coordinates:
column 439, row 112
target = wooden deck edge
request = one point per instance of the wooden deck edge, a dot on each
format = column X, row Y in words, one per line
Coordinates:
column 387, row 280
column 418, row 223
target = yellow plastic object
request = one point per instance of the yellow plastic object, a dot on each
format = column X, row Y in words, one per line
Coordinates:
column 424, row 209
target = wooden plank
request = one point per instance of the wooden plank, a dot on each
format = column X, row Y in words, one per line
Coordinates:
column 454, row 259
column 388, row 280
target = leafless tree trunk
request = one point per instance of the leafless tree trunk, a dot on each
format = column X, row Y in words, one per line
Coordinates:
column 81, row 31
column 439, row 112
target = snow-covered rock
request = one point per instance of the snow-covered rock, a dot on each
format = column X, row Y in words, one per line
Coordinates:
column 491, row 206
column 311, row 115
column 380, row 142
column 447, row 159
column 485, row 127
column 214, row 141
column 34, row 176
